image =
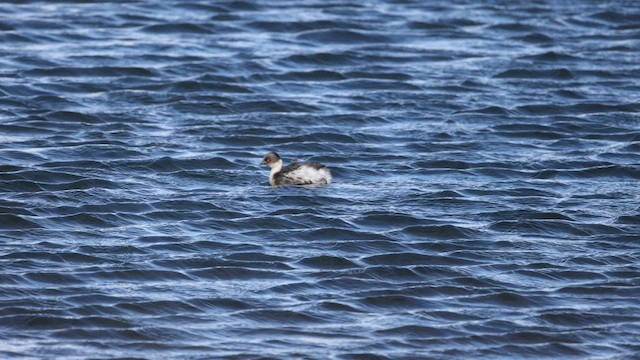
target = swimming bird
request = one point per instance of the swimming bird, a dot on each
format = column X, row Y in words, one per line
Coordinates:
column 306, row 173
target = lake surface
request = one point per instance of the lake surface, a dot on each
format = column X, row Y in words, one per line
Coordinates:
column 486, row 163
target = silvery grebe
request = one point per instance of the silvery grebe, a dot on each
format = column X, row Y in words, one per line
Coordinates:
column 307, row 173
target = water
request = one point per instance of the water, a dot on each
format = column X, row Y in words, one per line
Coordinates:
column 485, row 158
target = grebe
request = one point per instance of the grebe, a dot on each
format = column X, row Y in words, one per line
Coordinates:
column 307, row 173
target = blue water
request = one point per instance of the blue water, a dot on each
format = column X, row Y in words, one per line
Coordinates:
column 486, row 159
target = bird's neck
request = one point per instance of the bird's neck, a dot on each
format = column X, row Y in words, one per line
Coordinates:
column 276, row 167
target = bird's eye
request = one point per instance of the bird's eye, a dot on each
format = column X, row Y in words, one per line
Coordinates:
column 267, row 160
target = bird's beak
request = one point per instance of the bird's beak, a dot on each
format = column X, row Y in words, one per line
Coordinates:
column 263, row 162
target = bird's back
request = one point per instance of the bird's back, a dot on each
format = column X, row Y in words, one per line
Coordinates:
column 307, row 173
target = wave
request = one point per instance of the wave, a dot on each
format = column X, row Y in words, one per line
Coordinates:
column 342, row 36
column 485, row 163
column 93, row 71
column 555, row 74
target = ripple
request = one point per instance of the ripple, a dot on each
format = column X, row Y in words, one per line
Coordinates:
column 108, row 71
column 583, row 108
column 190, row 86
column 322, row 58
column 342, row 36
column 236, row 273
column 440, row 231
column 513, row 27
column 551, row 56
column 167, row 164
column 537, row 38
column 283, row 316
column 327, row 262
column 10, row 221
column 393, row 302
column 405, row 259
column 314, row 75
column 556, row 74
column 418, row 331
column 302, row 26
column 172, row 28
column 508, row 299
column 484, row 204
